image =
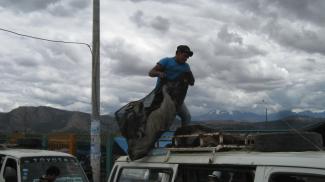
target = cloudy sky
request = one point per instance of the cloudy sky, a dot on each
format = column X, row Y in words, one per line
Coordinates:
column 244, row 52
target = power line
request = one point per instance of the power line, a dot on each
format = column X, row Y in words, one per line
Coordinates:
column 49, row 40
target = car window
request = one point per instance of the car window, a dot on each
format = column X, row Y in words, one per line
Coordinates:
column 296, row 177
column 204, row 173
column 33, row 168
column 145, row 175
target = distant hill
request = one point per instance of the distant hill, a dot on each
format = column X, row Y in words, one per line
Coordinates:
column 289, row 123
column 46, row 119
column 253, row 117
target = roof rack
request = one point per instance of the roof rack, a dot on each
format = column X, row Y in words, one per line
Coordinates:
column 266, row 142
column 210, row 142
column 206, row 140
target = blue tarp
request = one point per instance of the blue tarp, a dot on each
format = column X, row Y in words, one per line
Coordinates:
column 121, row 141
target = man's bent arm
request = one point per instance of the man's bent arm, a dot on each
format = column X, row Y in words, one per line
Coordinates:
column 156, row 71
column 191, row 78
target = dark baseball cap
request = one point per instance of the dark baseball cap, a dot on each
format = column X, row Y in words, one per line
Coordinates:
column 184, row 48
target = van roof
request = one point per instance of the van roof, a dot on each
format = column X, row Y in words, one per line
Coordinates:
column 314, row 159
column 19, row 153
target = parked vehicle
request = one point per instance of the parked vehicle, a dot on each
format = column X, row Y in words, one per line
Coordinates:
column 29, row 165
column 232, row 159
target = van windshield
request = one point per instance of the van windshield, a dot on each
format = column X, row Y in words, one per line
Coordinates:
column 145, row 175
column 34, row 168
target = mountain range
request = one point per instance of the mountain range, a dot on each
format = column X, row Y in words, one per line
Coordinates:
column 44, row 119
column 253, row 117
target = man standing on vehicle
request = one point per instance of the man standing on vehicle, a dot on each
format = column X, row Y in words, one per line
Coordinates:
column 171, row 68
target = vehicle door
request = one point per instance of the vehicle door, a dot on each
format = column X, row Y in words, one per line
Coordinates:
column 9, row 170
column 2, row 159
column 293, row 174
column 143, row 172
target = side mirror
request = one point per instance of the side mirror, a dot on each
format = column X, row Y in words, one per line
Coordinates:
column 10, row 174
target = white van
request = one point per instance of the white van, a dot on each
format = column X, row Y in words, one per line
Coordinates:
column 221, row 163
column 28, row 165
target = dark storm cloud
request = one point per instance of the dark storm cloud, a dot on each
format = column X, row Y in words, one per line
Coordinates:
column 253, row 76
column 55, row 7
column 51, row 94
column 45, row 86
column 225, row 49
column 218, row 55
column 288, row 9
column 302, row 9
column 161, row 24
column 309, row 65
column 27, row 6
column 311, row 60
column 80, row 4
column 229, row 37
column 68, row 8
column 44, row 73
column 125, row 59
column 299, row 38
column 162, row 1
column 26, row 62
column 239, row 65
column 158, row 23
column 223, row 46
column 306, row 96
column 237, row 52
column 287, row 21
column 244, row 52
column 138, row 18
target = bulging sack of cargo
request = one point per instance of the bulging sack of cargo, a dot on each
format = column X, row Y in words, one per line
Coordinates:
column 142, row 122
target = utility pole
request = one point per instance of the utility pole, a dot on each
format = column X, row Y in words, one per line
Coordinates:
column 263, row 101
column 265, row 113
column 95, row 152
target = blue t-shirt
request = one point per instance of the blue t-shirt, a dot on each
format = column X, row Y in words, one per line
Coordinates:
column 172, row 68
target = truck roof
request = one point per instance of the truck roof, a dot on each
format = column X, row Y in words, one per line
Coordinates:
column 19, row 153
column 314, row 159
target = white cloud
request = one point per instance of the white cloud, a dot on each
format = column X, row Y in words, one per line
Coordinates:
column 244, row 52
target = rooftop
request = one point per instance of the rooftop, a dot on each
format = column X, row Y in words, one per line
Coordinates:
column 314, row 159
column 19, row 153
